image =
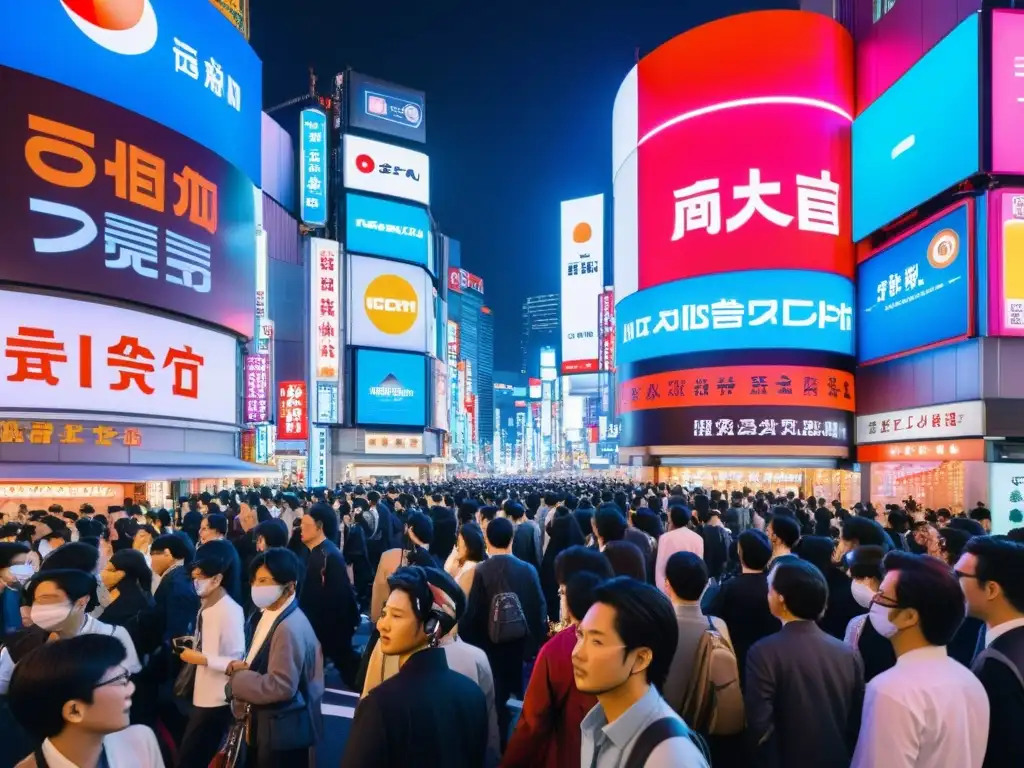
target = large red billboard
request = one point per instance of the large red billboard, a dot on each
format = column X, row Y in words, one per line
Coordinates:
column 742, row 163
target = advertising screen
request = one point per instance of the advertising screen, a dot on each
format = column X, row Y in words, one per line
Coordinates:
column 235, row 11
column 384, row 169
column 178, row 62
column 916, row 292
column 313, row 161
column 782, row 385
column 459, row 281
column 292, row 410
column 391, row 388
column 906, row 147
column 769, row 309
column 934, row 422
column 257, row 389
column 393, row 230
column 99, row 200
column 388, row 304
column 439, row 420
column 325, row 303
column 742, row 165
column 582, row 281
column 1007, row 91
column 376, row 105
column 1006, row 262
column 71, row 355
column 1006, row 486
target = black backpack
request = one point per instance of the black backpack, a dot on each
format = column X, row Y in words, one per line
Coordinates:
column 506, row 622
column 662, row 730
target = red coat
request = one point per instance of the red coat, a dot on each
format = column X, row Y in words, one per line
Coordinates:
column 548, row 732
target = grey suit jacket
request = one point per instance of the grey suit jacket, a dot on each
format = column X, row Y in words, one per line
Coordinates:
column 804, row 692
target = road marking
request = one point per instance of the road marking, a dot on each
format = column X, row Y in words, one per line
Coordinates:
column 335, row 710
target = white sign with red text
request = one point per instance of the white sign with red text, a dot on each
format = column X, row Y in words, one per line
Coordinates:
column 325, row 291
column 582, row 252
column 965, row 419
column 63, row 354
column 384, row 169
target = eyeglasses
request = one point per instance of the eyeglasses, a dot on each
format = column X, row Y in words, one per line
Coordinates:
column 885, row 602
column 123, row 679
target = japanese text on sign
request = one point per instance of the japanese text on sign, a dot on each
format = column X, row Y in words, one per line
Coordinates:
column 292, row 411
column 256, row 389
column 699, row 206
column 768, row 428
column 60, row 491
column 326, row 278
column 949, row 419
column 48, row 433
column 313, row 172
column 221, row 86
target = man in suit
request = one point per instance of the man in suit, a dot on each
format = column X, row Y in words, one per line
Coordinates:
column 990, row 573
column 500, row 574
column 797, row 665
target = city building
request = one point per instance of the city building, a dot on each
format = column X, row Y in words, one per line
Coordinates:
column 540, row 329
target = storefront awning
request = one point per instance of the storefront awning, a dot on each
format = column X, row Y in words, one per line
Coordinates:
column 131, row 473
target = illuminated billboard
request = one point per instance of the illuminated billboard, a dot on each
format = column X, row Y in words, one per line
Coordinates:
column 742, row 165
column 1006, row 262
column 313, row 167
column 906, row 146
column 386, row 169
column 382, row 107
column 391, row 388
column 388, row 304
column 582, row 249
column 378, row 227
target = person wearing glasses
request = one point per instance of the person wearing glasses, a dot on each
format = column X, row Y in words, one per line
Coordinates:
column 73, row 698
column 928, row 710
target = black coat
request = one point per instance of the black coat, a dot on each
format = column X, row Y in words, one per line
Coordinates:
column 841, row 605
column 426, row 715
column 500, row 574
column 742, row 603
column 129, row 610
column 328, row 600
column 1005, row 697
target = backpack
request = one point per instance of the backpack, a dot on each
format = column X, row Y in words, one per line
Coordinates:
column 713, row 704
column 507, row 620
column 653, row 735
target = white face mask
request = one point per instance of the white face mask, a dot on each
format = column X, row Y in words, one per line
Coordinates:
column 264, row 597
column 203, row 587
column 879, row 617
column 50, row 617
column 44, row 548
column 862, row 593
column 22, row 572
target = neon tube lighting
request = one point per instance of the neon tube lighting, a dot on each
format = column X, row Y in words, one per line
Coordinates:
column 753, row 102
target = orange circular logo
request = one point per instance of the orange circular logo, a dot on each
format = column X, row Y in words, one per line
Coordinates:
column 391, row 304
column 944, row 248
column 581, row 233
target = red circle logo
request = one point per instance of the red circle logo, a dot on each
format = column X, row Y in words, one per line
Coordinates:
column 365, row 164
column 128, row 27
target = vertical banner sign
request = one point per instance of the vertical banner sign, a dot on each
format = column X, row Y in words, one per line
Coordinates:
column 326, row 404
column 313, row 168
column 256, row 385
column 318, row 453
column 606, row 330
column 292, row 411
column 249, row 445
column 263, row 444
column 325, row 270
column 261, row 276
column 582, row 281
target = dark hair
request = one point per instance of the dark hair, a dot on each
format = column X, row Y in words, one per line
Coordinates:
column 679, row 515
column 219, row 558
column 274, row 532
column 866, row 562
column 515, row 510
column 467, row 511
column 610, row 523
column 579, row 593
column 785, row 528
column 928, row 585
column 644, row 618
column 580, row 559
column 75, row 555
column 284, row 566
column 500, row 532
column 755, row 549
column 217, row 522
column 74, row 583
column 10, row 550
column 970, row 526
column 687, row 574
column 326, row 518
column 412, row 579
column 626, row 559
column 803, row 587
column 421, row 525
column 180, row 546
column 865, row 532
column 1002, row 562
column 816, row 550
column 474, row 540
column 132, row 563
column 53, row 674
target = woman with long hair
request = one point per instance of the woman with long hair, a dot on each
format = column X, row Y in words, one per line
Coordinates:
column 470, row 552
column 563, row 532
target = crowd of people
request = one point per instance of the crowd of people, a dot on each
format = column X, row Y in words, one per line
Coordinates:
column 638, row 624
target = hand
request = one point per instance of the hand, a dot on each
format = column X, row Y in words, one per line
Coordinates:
column 193, row 657
column 236, row 666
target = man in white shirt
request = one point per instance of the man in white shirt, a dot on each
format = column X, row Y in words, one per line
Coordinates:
column 928, row 711
column 680, row 538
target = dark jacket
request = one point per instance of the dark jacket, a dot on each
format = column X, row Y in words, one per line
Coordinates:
column 1005, row 697
column 425, row 715
column 328, row 600
column 643, row 543
column 10, row 617
column 717, row 540
column 129, row 610
column 174, row 612
column 797, row 665
column 737, row 520
column 841, row 605
column 526, row 543
column 504, row 573
column 742, row 603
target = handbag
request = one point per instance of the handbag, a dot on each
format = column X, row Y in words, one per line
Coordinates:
column 290, row 726
column 185, row 682
column 232, row 751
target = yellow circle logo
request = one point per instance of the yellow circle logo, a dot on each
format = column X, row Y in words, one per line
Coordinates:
column 391, row 304
column 944, row 248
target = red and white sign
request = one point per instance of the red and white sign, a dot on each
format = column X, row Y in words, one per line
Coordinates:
column 257, row 382
column 460, row 281
column 384, row 169
column 746, row 164
column 292, row 411
column 326, row 277
column 606, row 331
column 582, row 250
column 929, row 423
column 68, row 355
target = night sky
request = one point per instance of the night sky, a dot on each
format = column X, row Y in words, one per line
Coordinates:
column 519, row 105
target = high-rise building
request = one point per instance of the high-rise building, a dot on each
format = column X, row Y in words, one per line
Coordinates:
column 485, row 381
column 476, row 352
column 540, row 329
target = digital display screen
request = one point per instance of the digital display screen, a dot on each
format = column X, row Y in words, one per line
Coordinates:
column 391, row 388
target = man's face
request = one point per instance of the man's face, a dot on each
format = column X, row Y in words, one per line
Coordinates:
column 599, row 664
column 977, row 596
column 111, row 702
column 205, row 532
column 309, row 529
column 161, row 561
column 400, row 631
column 142, row 541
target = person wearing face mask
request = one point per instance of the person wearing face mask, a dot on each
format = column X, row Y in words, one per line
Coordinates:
column 865, row 564
column 928, row 711
column 219, row 640
column 73, row 698
column 128, row 581
column 58, row 600
column 283, row 668
column 15, row 570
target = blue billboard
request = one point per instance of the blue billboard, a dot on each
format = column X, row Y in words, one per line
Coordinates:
column 180, row 63
column 378, row 227
column 921, row 136
column 917, row 291
column 376, row 105
column 391, row 388
column 763, row 309
column 313, row 168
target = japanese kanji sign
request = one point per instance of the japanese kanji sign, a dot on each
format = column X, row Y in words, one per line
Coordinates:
column 58, row 491
column 78, row 356
column 965, row 419
column 325, row 295
column 313, row 169
column 100, row 200
column 292, row 410
column 386, row 169
column 769, row 309
column 783, row 385
column 21, row 431
column 257, row 389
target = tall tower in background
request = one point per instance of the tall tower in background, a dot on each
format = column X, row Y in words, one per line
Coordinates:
column 540, row 329
column 485, row 383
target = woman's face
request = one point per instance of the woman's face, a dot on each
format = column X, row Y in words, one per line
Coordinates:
column 111, row 576
column 463, row 549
